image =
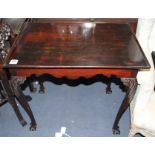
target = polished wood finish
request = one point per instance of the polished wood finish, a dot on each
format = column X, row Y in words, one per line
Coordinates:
column 73, row 73
column 77, row 45
column 132, row 22
column 74, row 50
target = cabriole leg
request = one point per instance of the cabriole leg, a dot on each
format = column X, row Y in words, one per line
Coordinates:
column 16, row 82
column 131, row 86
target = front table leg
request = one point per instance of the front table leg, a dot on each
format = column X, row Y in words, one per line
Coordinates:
column 131, row 86
column 16, row 82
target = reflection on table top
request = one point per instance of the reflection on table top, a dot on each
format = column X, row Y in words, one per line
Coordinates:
column 77, row 45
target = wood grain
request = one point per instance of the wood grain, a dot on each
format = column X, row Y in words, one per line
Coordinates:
column 84, row 45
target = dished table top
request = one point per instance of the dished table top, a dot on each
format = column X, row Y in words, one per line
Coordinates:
column 76, row 45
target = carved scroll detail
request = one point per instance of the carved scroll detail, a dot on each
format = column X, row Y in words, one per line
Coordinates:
column 17, row 81
column 131, row 85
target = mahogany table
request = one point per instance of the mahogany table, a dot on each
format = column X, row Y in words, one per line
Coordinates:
column 75, row 50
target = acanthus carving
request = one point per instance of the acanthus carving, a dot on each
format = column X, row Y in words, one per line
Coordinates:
column 131, row 85
column 17, row 81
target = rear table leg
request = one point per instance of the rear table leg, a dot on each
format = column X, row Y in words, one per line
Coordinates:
column 31, row 87
column 108, row 89
column 42, row 88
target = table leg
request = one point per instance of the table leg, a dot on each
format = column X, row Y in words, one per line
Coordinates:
column 31, row 86
column 16, row 82
column 28, row 98
column 3, row 95
column 108, row 89
column 131, row 86
column 11, row 98
column 42, row 88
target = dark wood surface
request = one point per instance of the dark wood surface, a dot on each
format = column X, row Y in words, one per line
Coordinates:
column 73, row 73
column 80, row 45
column 132, row 22
column 77, row 20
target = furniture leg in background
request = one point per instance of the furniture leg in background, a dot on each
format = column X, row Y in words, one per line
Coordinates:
column 10, row 97
column 108, row 89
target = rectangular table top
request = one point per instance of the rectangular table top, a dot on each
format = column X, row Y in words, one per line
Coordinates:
column 77, row 45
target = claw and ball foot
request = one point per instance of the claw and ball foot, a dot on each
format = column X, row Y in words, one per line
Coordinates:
column 34, row 90
column 28, row 98
column 108, row 90
column 31, row 87
column 41, row 88
column 116, row 130
column 41, row 91
column 33, row 127
column 23, row 122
